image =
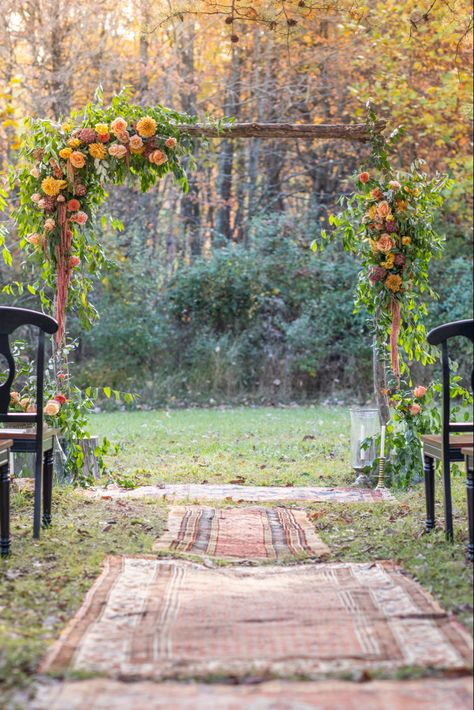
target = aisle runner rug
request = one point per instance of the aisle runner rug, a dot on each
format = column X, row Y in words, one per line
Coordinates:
column 103, row 694
column 242, row 533
column 151, row 618
column 254, row 494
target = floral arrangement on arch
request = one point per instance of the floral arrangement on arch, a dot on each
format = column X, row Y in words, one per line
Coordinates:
column 66, row 168
column 388, row 223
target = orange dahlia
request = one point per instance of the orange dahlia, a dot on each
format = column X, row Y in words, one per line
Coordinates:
column 146, row 127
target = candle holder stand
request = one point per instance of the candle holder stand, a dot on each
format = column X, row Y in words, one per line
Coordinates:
column 381, row 480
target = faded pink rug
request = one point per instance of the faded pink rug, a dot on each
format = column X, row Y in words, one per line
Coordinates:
column 253, row 494
column 157, row 619
column 242, row 533
column 105, row 694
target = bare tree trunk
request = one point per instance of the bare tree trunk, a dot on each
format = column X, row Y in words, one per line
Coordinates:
column 226, row 157
column 190, row 202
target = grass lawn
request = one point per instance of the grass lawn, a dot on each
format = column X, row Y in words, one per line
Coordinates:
column 44, row 582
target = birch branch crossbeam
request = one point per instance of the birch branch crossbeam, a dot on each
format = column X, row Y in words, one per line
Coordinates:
column 324, row 131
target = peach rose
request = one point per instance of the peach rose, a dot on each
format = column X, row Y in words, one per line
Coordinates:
column 383, row 209
column 117, row 151
column 394, row 184
column 24, row 403
column 15, row 397
column 35, row 239
column 171, row 142
column 136, row 144
column 123, row 137
column 364, row 177
column 79, row 217
column 35, row 197
column 415, row 409
column 77, row 159
column 34, row 172
column 385, row 243
column 420, row 391
column 49, row 225
column 157, row 157
column 31, row 409
column 52, row 408
column 73, row 262
column 117, row 125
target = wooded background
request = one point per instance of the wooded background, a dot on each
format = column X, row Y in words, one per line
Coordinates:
column 215, row 294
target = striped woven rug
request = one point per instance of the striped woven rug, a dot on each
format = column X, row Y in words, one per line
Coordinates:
column 241, row 533
column 158, row 619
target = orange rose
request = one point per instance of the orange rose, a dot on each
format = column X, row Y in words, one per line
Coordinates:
column 376, row 194
column 385, row 243
column 157, row 157
column 77, row 159
column 420, row 391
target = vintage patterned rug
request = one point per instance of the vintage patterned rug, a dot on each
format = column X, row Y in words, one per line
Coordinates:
column 158, row 619
column 242, row 533
column 251, row 494
column 104, row 694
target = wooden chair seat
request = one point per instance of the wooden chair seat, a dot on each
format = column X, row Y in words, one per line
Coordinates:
column 24, row 438
column 433, row 445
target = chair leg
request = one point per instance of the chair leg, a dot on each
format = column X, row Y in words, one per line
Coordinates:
column 470, row 508
column 448, row 506
column 428, row 468
column 47, row 487
column 4, row 510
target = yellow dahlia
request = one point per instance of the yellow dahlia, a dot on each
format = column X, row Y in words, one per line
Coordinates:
column 101, row 129
column 65, row 153
column 52, row 187
column 74, row 142
column 97, row 150
column 393, row 282
column 146, row 127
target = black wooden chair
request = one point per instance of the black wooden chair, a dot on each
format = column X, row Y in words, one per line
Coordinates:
column 37, row 439
column 445, row 447
column 5, row 447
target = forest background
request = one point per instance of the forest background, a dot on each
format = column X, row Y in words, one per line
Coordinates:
column 216, row 295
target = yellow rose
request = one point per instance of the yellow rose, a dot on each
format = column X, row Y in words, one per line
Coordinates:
column 97, row 150
column 65, row 153
column 146, row 127
column 66, row 127
column 101, row 129
column 74, row 143
column 406, row 241
column 389, row 261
